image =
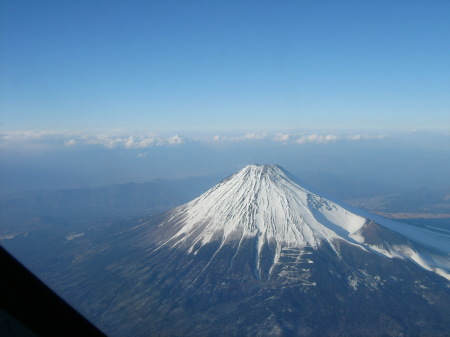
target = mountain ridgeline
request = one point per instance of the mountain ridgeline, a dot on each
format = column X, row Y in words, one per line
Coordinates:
column 263, row 204
column 259, row 255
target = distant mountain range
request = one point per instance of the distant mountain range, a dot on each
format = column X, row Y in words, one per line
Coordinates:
column 108, row 202
column 138, row 199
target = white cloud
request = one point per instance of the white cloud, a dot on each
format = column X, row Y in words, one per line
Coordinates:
column 110, row 143
column 315, row 138
column 255, row 136
column 129, row 143
column 244, row 137
column 281, row 137
column 330, row 138
column 355, row 137
column 146, row 142
column 70, row 142
column 365, row 137
column 133, row 142
column 175, row 140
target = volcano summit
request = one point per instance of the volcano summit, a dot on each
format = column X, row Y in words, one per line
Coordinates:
column 260, row 255
column 261, row 203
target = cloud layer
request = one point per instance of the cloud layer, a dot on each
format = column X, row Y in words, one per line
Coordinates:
column 296, row 138
column 116, row 140
column 70, row 138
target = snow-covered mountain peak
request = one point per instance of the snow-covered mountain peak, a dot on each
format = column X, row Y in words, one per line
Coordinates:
column 262, row 201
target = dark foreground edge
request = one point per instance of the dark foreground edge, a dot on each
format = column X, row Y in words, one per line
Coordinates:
column 27, row 300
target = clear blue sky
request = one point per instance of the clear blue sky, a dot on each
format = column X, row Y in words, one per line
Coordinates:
column 224, row 65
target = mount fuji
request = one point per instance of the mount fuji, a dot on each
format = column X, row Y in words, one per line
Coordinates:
column 263, row 204
column 260, row 255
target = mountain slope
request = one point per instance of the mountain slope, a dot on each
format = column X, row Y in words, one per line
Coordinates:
column 259, row 255
column 262, row 202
